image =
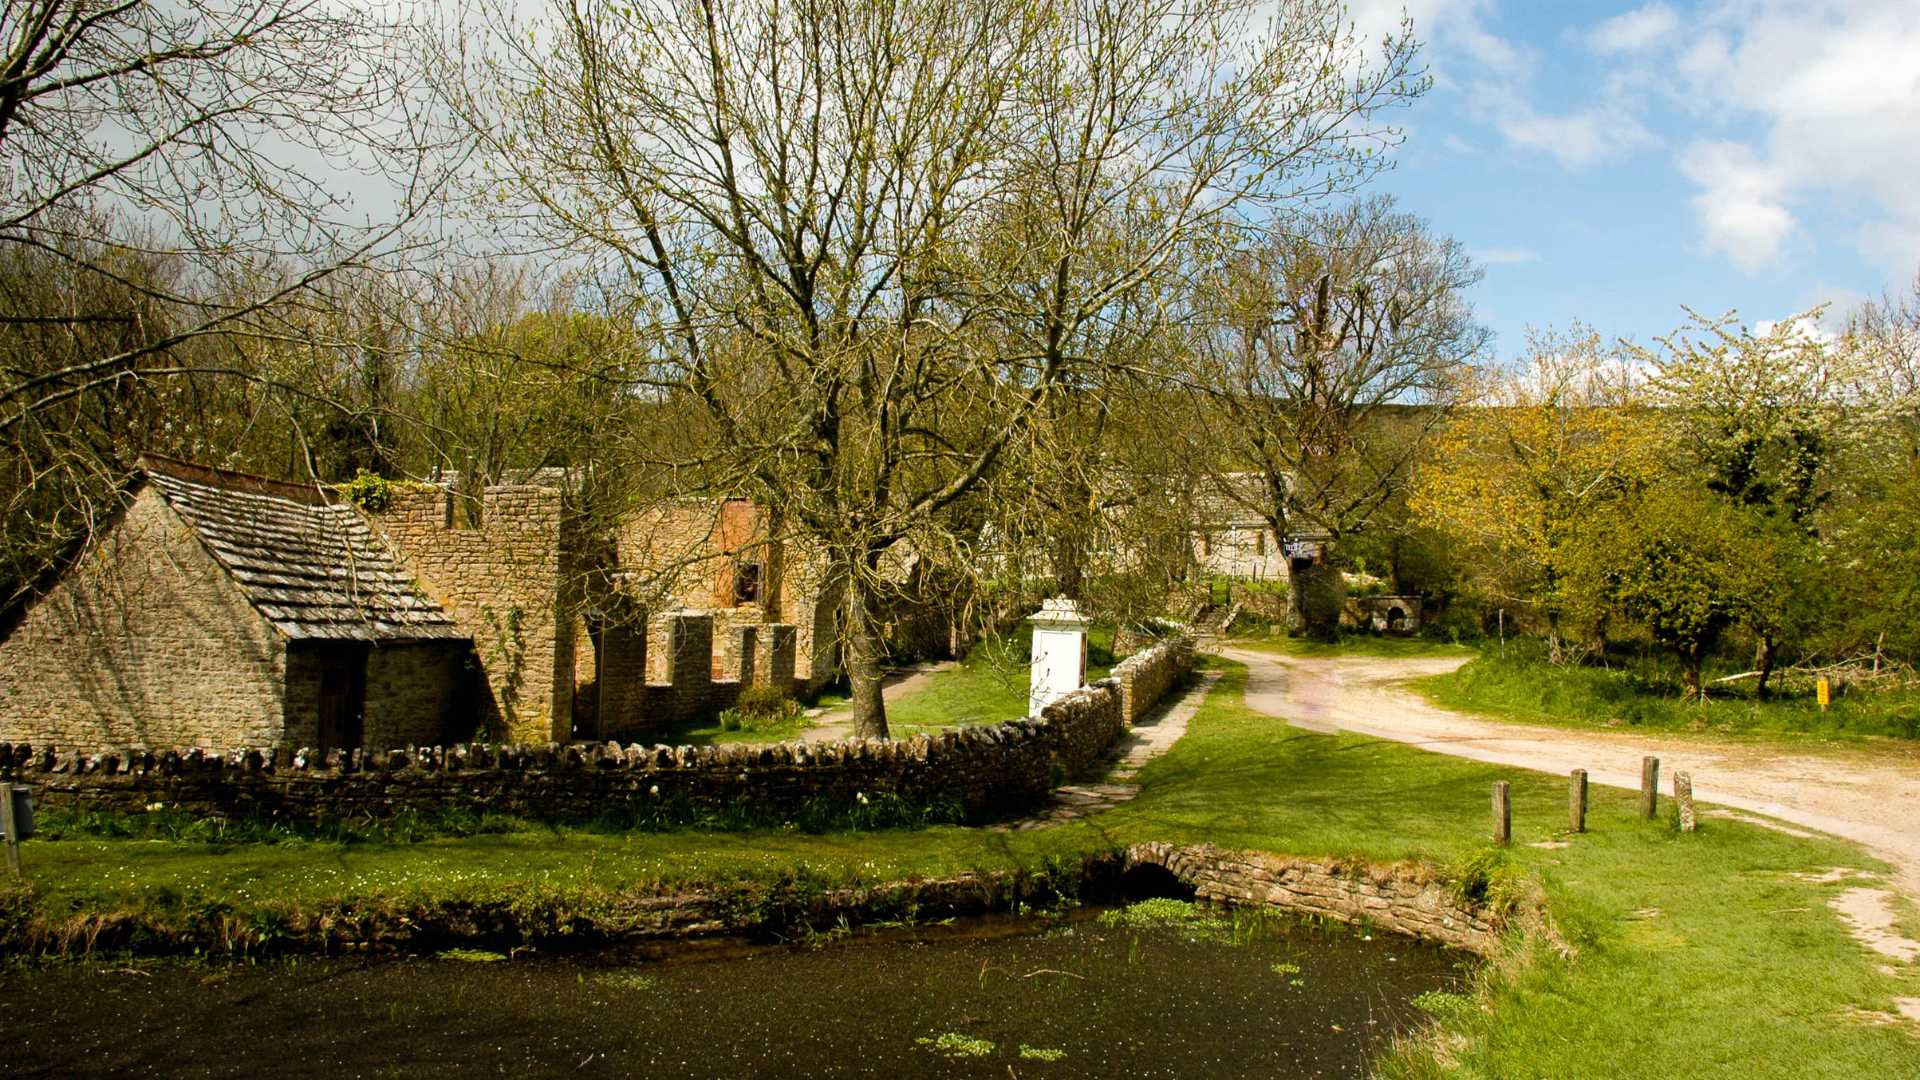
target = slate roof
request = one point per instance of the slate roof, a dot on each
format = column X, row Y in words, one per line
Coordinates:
column 310, row 565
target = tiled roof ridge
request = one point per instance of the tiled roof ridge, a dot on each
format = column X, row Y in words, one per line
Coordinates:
column 309, row 564
column 235, row 480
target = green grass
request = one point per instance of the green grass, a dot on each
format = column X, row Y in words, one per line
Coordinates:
column 1522, row 685
column 1697, row 955
column 710, row 733
column 987, row 687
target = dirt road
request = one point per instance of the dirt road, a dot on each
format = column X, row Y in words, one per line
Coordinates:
column 1873, row 802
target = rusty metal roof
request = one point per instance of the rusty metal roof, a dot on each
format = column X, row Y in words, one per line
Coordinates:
column 307, row 562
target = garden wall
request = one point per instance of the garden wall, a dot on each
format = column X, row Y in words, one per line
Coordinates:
column 1145, row 676
column 976, row 773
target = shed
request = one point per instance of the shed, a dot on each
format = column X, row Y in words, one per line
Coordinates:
column 221, row 609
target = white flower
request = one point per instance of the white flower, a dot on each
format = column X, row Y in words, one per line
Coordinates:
column 152, row 806
column 862, row 796
column 654, row 790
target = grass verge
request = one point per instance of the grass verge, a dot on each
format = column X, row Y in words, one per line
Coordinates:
column 1700, row 955
column 987, row 687
column 1520, row 684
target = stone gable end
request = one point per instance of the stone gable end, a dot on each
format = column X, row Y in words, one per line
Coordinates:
column 144, row 641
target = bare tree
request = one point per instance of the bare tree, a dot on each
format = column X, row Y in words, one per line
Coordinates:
column 1325, row 359
column 877, row 239
column 179, row 168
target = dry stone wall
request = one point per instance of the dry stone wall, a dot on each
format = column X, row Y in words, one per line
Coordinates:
column 984, row 772
column 1145, row 676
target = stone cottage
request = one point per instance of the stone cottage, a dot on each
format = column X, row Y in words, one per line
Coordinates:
column 1232, row 540
column 220, row 609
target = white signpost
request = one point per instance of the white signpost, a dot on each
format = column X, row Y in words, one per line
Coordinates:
column 1059, row 653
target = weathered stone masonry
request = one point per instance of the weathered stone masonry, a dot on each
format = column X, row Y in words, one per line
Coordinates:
column 987, row 771
column 1401, row 898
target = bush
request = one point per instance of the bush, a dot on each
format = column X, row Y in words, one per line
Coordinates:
column 760, row 707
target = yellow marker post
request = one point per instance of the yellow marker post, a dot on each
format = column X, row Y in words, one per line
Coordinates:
column 1824, row 691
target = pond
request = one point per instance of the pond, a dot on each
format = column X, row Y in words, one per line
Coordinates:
column 1158, row 989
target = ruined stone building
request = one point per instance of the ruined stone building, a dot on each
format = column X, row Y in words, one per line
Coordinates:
column 725, row 557
column 223, row 609
column 219, row 609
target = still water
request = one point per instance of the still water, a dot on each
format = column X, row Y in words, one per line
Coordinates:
column 1116, row 993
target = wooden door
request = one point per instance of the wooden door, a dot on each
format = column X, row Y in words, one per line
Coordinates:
column 343, row 696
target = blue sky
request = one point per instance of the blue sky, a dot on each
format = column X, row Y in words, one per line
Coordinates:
column 1610, row 162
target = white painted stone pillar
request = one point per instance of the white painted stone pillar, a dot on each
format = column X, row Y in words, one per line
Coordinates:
column 1059, row 653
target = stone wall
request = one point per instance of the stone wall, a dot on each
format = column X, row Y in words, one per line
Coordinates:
column 985, row 772
column 506, row 580
column 145, row 640
column 1403, row 898
column 1143, row 677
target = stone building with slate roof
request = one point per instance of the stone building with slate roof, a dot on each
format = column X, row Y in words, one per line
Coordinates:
column 220, row 609
column 1231, row 539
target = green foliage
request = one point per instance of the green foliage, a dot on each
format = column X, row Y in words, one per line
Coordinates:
column 1686, row 569
column 1628, row 689
column 472, row 956
column 1487, row 879
column 764, row 710
column 1041, row 1053
column 1443, row 1004
column 368, row 491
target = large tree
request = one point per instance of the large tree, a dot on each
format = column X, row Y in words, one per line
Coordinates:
column 1545, row 450
column 176, row 179
column 1758, row 418
column 877, row 240
column 1326, row 357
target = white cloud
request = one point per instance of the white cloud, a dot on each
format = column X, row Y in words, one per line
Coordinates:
column 1502, row 256
column 1834, row 86
column 1635, row 31
column 1576, row 139
column 1444, row 28
column 1740, row 207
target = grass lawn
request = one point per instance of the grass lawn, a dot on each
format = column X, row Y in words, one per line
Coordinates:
column 1699, row 955
column 710, row 733
column 989, row 686
column 1522, row 685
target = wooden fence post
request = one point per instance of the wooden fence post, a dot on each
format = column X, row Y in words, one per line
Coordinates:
column 1502, row 813
column 1649, row 787
column 1683, row 794
column 1577, row 801
column 11, row 829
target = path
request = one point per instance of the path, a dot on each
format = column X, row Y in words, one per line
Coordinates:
column 1873, row 802
column 1152, row 735
column 837, row 723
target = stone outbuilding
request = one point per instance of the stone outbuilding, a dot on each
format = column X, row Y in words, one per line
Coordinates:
column 221, row 609
column 1232, row 540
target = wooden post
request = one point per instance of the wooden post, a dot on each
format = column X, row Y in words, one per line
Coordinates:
column 1683, row 794
column 1649, row 787
column 1502, row 813
column 8, row 827
column 1577, row 801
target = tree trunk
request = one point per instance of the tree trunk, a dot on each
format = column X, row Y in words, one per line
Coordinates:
column 1763, row 660
column 865, row 651
column 1692, row 660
